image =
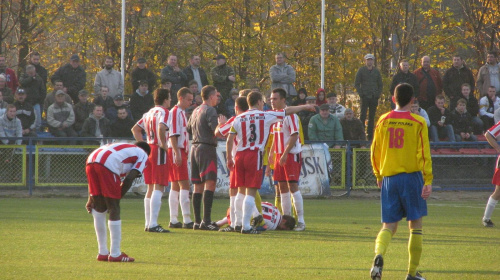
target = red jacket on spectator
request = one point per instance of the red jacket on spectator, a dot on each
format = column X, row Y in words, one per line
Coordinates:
column 12, row 81
column 422, row 81
column 319, row 102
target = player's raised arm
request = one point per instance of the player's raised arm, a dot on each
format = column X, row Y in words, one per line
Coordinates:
column 493, row 142
column 295, row 109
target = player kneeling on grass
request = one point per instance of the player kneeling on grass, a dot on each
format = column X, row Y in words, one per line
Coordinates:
column 104, row 168
column 273, row 220
column 401, row 160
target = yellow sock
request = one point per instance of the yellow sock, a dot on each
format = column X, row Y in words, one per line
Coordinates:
column 382, row 241
column 258, row 202
column 414, row 250
column 277, row 203
column 294, row 210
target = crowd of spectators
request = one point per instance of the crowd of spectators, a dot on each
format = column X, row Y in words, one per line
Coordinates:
column 446, row 102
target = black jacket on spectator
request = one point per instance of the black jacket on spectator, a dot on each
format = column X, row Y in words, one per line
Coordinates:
column 178, row 80
column 82, row 112
column 435, row 115
column 122, row 128
column 25, row 114
column 108, row 103
column 472, row 105
column 90, row 127
column 401, row 77
column 140, row 104
column 34, row 87
column 73, row 79
column 461, row 122
column 112, row 113
column 454, row 78
column 40, row 70
column 143, row 75
column 190, row 76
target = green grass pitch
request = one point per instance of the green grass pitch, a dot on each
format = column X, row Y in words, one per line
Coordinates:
column 53, row 238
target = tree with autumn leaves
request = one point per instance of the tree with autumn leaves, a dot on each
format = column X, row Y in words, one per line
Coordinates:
column 250, row 32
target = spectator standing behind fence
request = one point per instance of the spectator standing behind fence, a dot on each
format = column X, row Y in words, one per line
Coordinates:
column 488, row 104
column 223, row 76
column 40, row 70
column 122, row 125
column 61, row 117
column 325, row 127
column 110, row 78
column 51, row 97
column 35, row 90
column 229, row 104
column 462, row 122
column 8, row 96
column 320, row 97
column 472, row 106
column 195, row 72
column 142, row 73
column 96, row 125
column 440, row 118
column 403, row 75
column 352, row 128
column 368, row 84
column 25, row 113
column 10, row 126
column 73, row 76
column 10, row 75
column 283, row 76
column 453, row 79
column 305, row 116
column 415, row 109
column 82, row 110
column 193, row 87
column 301, row 97
column 175, row 75
column 165, row 84
column 335, row 109
column 430, row 83
column 141, row 101
column 112, row 112
column 3, row 105
column 489, row 74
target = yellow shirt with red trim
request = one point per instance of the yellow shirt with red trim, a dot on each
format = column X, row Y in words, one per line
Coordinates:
column 401, row 145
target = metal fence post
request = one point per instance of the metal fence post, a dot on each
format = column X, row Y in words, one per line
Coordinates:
column 348, row 168
column 30, row 166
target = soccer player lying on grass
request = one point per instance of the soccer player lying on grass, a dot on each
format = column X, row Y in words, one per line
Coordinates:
column 401, row 160
column 272, row 219
column 104, row 168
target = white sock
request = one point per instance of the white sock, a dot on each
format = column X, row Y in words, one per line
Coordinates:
column 255, row 211
column 231, row 210
column 248, row 206
column 238, row 209
column 490, row 206
column 115, row 231
column 173, row 205
column 100, row 231
column 185, row 206
column 155, row 207
column 286, row 203
column 147, row 206
column 299, row 206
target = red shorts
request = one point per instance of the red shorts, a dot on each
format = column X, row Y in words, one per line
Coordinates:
column 248, row 168
column 156, row 171
column 103, row 182
column 291, row 171
column 178, row 173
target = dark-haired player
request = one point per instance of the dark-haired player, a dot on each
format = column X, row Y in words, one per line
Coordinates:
column 400, row 156
column 104, row 168
column 154, row 123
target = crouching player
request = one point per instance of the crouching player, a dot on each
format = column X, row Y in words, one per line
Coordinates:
column 104, row 168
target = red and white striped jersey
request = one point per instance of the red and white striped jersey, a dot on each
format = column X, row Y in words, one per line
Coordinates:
column 282, row 132
column 177, row 124
column 120, row 158
column 495, row 130
column 271, row 215
column 224, row 131
column 151, row 121
column 252, row 128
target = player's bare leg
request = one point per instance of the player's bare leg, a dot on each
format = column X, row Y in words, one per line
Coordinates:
column 490, row 206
